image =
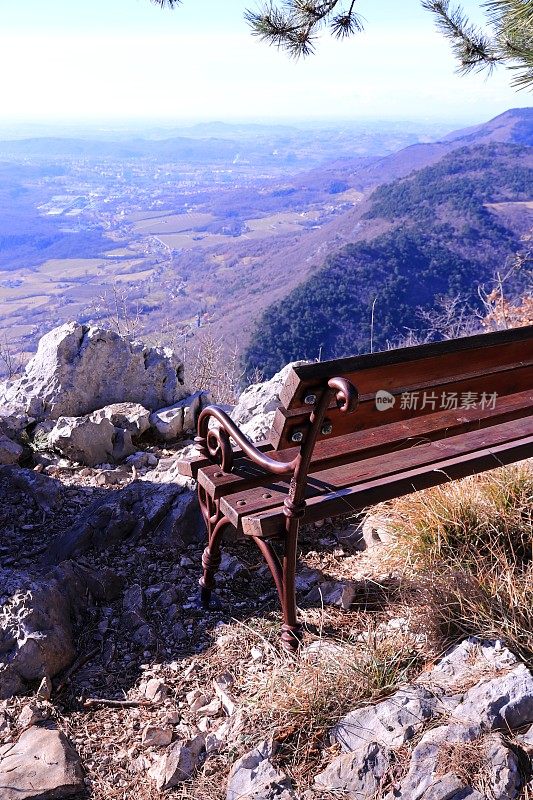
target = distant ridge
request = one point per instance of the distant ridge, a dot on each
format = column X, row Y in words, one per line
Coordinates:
column 514, row 126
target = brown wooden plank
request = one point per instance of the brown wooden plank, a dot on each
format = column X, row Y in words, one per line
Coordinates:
column 502, row 382
column 361, row 444
column 189, row 467
column 452, row 356
column 253, row 501
column 356, row 498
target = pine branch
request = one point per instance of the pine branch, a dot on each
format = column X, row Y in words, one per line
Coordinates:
column 293, row 25
column 472, row 47
column 166, row 3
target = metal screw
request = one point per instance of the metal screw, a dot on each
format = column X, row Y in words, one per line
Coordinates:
column 310, row 399
column 327, row 428
column 297, row 437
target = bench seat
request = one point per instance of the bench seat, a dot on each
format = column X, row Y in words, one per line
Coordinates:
column 334, row 450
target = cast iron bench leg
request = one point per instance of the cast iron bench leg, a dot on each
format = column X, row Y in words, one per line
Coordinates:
column 211, row 557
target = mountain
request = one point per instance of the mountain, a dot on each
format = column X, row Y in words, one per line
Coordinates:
column 512, row 127
column 444, row 238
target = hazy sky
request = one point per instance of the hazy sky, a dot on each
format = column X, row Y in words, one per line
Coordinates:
column 118, row 59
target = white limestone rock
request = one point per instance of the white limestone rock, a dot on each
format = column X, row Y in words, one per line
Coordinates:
column 10, row 451
column 178, row 764
column 257, row 405
column 356, row 775
column 80, row 368
column 91, row 441
column 41, row 765
column 254, row 777
column 175, row 421
column 131, row 417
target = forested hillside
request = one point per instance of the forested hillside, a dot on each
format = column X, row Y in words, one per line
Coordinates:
column 446, row 241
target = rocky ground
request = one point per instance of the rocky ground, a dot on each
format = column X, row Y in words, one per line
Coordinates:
column 114, row 684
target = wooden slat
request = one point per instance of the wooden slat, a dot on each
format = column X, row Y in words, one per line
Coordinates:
column 501, row 381
column 410, row 365
column 355, row 498
column 272, row 494
column 190, row 467
column 361, row 444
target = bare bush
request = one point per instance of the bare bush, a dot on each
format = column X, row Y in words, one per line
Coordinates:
column 12, row 361
column 212, row 366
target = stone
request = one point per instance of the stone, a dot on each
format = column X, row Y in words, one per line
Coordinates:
column 374, row 531
column 80, row 368
column 44, row 692
column 222, row 684
column 466, row 663
column 306, row 578
column 356, row 775
column 42, row 764
column 211, row 709
column 36, row 617
column 174, row 421
column 257, row 405
column 10, row 451
column 46, row 492
column 390, row 723
column 437, row 770
column 504, row 702
column 156, row 736
column 178, row 764
column 253, row 777
column 131, row 417
column 169, row 511
column 90, row 441
column 233, row 569
column 30, row 715
column 196, row 699
column 333, row 593
column 156, row 690
column 36, row 638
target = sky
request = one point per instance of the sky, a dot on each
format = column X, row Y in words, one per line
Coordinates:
column 112, row 60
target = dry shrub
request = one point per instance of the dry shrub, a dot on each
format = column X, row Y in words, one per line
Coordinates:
column 470, row 544
column 212, row 366
column 295, row 701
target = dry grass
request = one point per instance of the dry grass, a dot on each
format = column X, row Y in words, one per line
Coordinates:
column 470, row 545
column 295, row 702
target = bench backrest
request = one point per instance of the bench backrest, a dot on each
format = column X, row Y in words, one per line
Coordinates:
column 457, row 375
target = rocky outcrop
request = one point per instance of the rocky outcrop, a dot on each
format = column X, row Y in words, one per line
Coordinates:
column 80, row 368
column 179, row 419
column 10, row 451
column 41, row 765
column 36, row 621
column 458, row 708
column 178, row 763
column 141, row 507
column 131, row 417
column 91, row 440
column 257, row 405
column 254, row 777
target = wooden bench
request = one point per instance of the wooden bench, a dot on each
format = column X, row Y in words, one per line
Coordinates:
column 446, row 410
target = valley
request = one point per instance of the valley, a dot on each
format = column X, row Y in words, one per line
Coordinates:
column 175, row 236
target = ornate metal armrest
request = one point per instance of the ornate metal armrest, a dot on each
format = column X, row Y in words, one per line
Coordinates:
column 214, row 443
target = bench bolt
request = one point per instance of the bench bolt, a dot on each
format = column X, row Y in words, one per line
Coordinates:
column 310, row 399
column 327, row 428
column 297, row 436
